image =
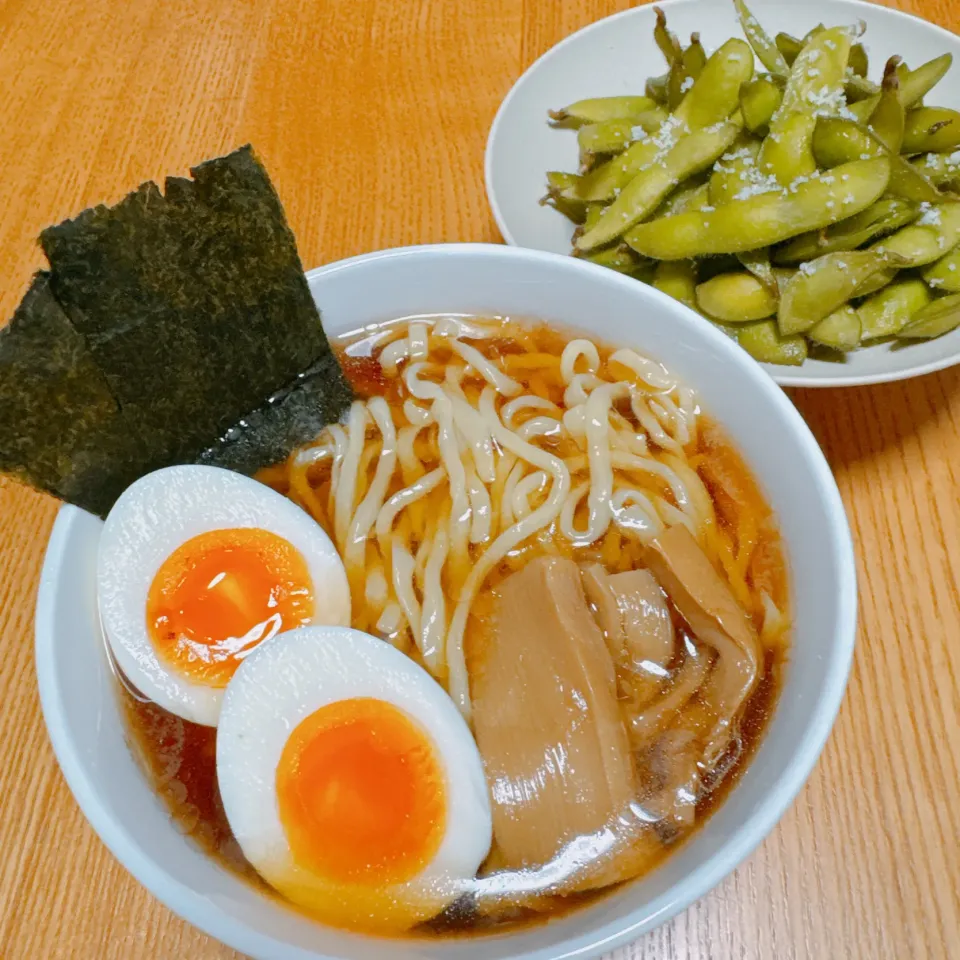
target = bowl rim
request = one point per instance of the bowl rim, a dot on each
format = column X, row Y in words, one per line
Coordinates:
column 781, row 374
column 214, row 921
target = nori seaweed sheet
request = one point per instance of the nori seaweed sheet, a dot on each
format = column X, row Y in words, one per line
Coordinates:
column 172, row 328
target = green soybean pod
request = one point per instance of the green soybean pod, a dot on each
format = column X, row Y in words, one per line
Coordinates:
column 593, row 213
column 763, row 46
column 574, row 210
column 888, row 119
column 685, row 71
column 931, row 128
column 655, row 89
column 694, row 57
column 731, row 173
column 691, row 153
column 614, row 136
column 886, row 312
column 934, row 320
column 942, row 169
column 564, row 184
column 736, row 298
column 715, row 94
column 789, row 47
column 757, row 262
column 562, row 196
column 914, row 85
column 787, row 152
column 839, row 330
column 667, row 42
column 763, row 342
column 884, row 216
column 859, row 62
column 877, row 282
column 936, row 233
column 761, row 221
column 816, row 78
column 602, row 109
column 620, row 258
column 689, row 196
column 858, row 88
column 944, row 275
column 759, row 101
column 837, row 141
column 677, row 279
column 823, row 285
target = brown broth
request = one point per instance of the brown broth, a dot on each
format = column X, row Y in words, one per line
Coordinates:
column 179, row 757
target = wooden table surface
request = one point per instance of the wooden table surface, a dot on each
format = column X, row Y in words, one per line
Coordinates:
column 371, row 116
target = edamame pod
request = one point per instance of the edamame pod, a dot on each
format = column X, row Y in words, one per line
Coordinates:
column 602, row 109
column 859, row 62
column 735, row 171
column 614, row 136
column 685, row 71
column 761, row 221
column 692, row 152
column 690, row 196
column 758, row 263
column 888, row 118
column 593, row 214
column 763, row 46
column 562, row 195
column 840, row 330
column 605, row 181
column 942, row 169
column 715, row 94
column 694, row 57
column 763, row 342
column 573, row 210
column 837, row 141
column 815, row 81
column 759, row 101
column 884, row 216
column 936, row 233
column 656, row 89
column 944, row 275
column 789, row 47
column 886, row 312
column 934, row 320
column 678, row 279
column 931, row 128
column 824, row 285
column 787, row 152
column 736, row 298
column 564, row 184
column 914, row 85
column 620, row 258
column 667, row 42
column 858, row 88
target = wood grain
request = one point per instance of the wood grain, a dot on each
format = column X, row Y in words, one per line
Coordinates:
column 372, row 118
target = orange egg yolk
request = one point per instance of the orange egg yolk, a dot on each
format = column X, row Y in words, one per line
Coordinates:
column 220, row 594
column 361, row 794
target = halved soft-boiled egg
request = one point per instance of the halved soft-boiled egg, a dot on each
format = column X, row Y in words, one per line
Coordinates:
column 196, row 567
column 351, row 781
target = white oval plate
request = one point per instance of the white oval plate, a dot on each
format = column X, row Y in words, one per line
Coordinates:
column 615, row 56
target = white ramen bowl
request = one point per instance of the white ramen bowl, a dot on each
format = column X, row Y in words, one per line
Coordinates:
column 78, row 693
column 615, row 56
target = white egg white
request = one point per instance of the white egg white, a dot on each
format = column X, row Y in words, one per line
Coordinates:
column 154, row 517
column 285, row 680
